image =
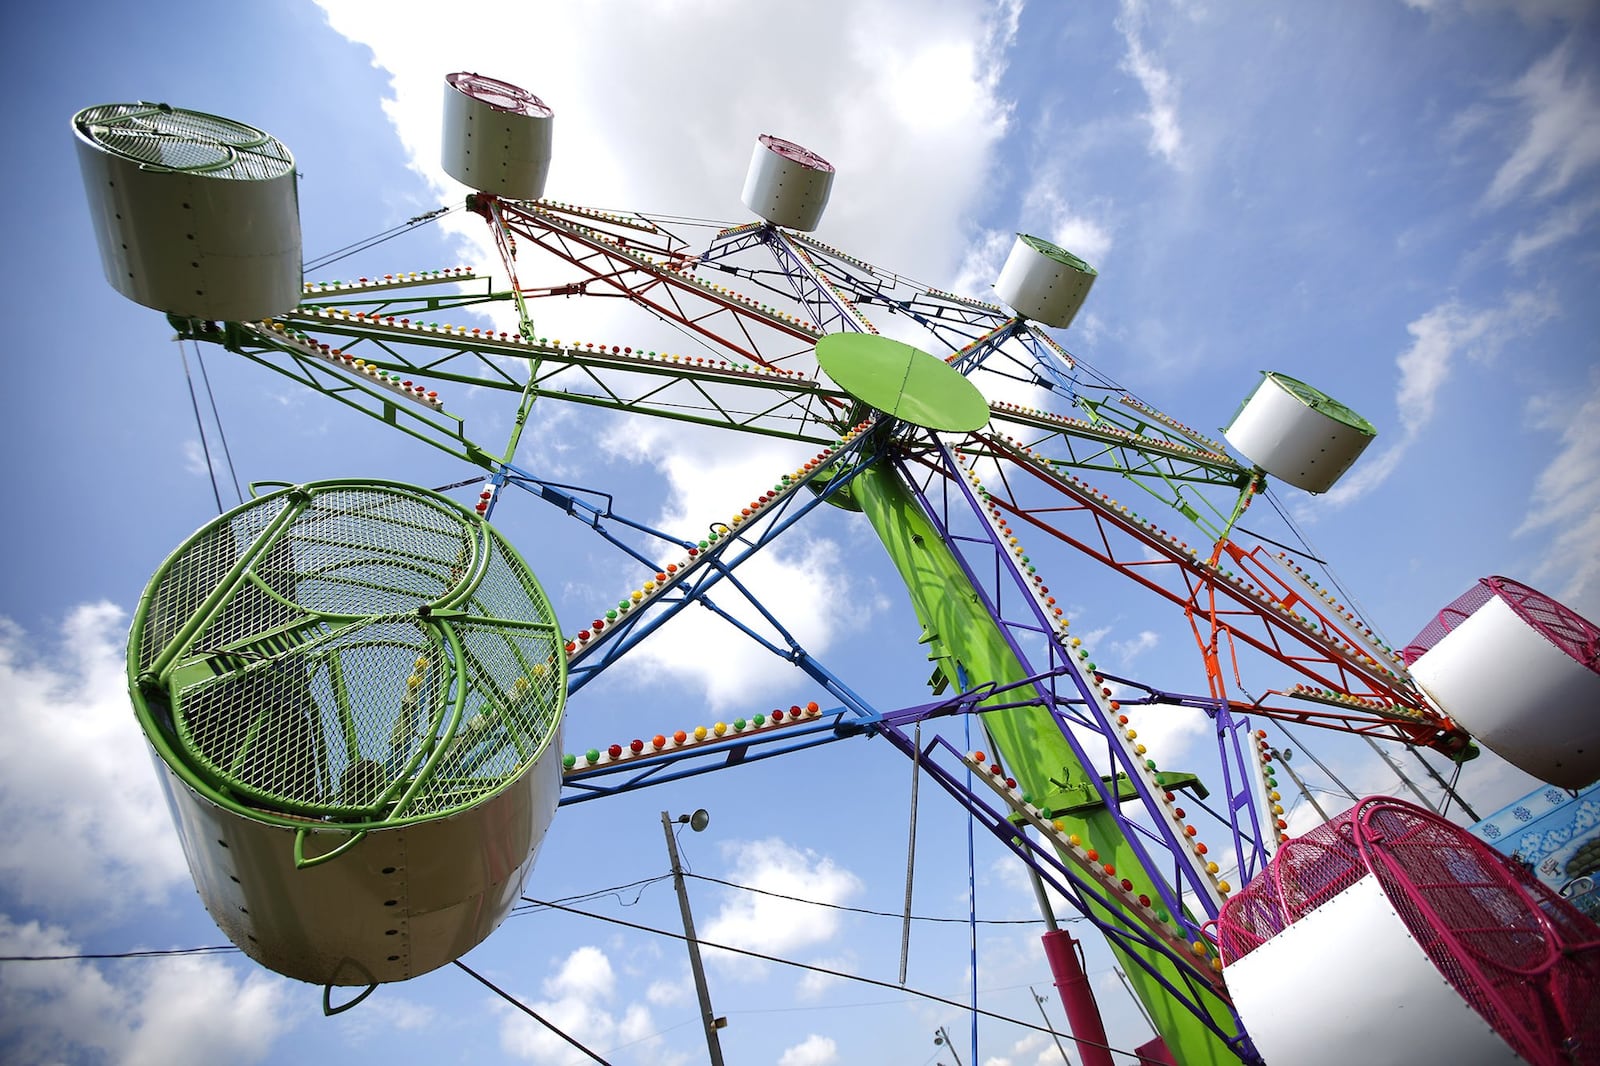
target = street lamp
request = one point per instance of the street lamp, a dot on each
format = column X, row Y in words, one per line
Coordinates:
column 696, row 821
column 942, row 1039
column 1038, row 999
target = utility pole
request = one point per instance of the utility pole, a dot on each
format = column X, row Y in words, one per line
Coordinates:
column 1037, row 998
column 1283, row 760
column 1137, row 1002
column 1423, row 796
column 708, row 1021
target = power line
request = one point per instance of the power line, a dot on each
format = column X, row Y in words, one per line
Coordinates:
column 529, row 907
column 529, row 1011
column 371, row 242
column 864, row 910
column 216, row 417
column 229, row 949
column 213, row 949
column 963, row 1007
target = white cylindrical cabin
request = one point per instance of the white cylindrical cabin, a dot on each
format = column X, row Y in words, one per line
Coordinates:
column 496, row 136
column 1043, row 282
column 1347, row 983
column 361, row 763
column 401, row 902
column 1391, row 935
column 194, row 215
column 787, row 184
column 1521, row 673
column 1298, row 433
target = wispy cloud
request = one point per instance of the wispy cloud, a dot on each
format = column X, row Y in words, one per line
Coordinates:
column 194, row 458
column 1560, row 225
column 1566, row 498
column 1560, row 104
column 1440, row 338
column 1160, row 88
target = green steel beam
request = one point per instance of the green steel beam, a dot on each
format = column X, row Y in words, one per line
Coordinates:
column 961, row 631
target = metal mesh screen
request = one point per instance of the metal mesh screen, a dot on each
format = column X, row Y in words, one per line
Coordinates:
column 1558, row 624
column 185, row 140
column 361, row 653
column 1306, row 872
column 1456, row 612
column 1525, row 959
column 501, row 95
column 1561, row 626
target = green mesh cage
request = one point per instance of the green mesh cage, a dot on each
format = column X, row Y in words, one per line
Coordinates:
column 354, row 652
column 171, row 138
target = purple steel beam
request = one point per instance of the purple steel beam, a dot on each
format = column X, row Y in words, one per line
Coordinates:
column 1134, row 833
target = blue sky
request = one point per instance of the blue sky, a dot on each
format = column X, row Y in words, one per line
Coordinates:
column 1395, row 201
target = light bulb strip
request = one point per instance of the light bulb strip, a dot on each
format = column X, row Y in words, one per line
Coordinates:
column 662, row 743
column 1140, row 905
column 695, row 557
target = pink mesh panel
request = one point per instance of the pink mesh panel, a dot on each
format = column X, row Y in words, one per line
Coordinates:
column 1458, row 611
column 1565, row 628
column 1525, row 959
column 1560, row 625
column 1306, row 873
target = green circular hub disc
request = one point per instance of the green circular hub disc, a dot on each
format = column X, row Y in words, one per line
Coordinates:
column 903, row 381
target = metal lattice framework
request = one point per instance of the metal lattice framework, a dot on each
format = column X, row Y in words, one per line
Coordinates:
column 751, row 301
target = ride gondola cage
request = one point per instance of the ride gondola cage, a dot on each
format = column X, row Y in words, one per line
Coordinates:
column 353, row 692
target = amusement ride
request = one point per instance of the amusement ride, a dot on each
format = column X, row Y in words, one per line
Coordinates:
column 356, row 689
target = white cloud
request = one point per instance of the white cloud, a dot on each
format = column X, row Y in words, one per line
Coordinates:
column 1167, row 731
column 813, row 983
column 771, row 925
column 73, row 783
column 586, row 972
column 1566, row 499
column 1160, row 88
column 1440, row 338
column 1558, row 226
column 1561, row 104
column 888, row 94
column 667, row 993
column 171, row 1011
column 1128, row 650
column 1034, row 1047
column 1052, row 217
column 577, row 1002
column 194, row 458
column 814, row 1050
